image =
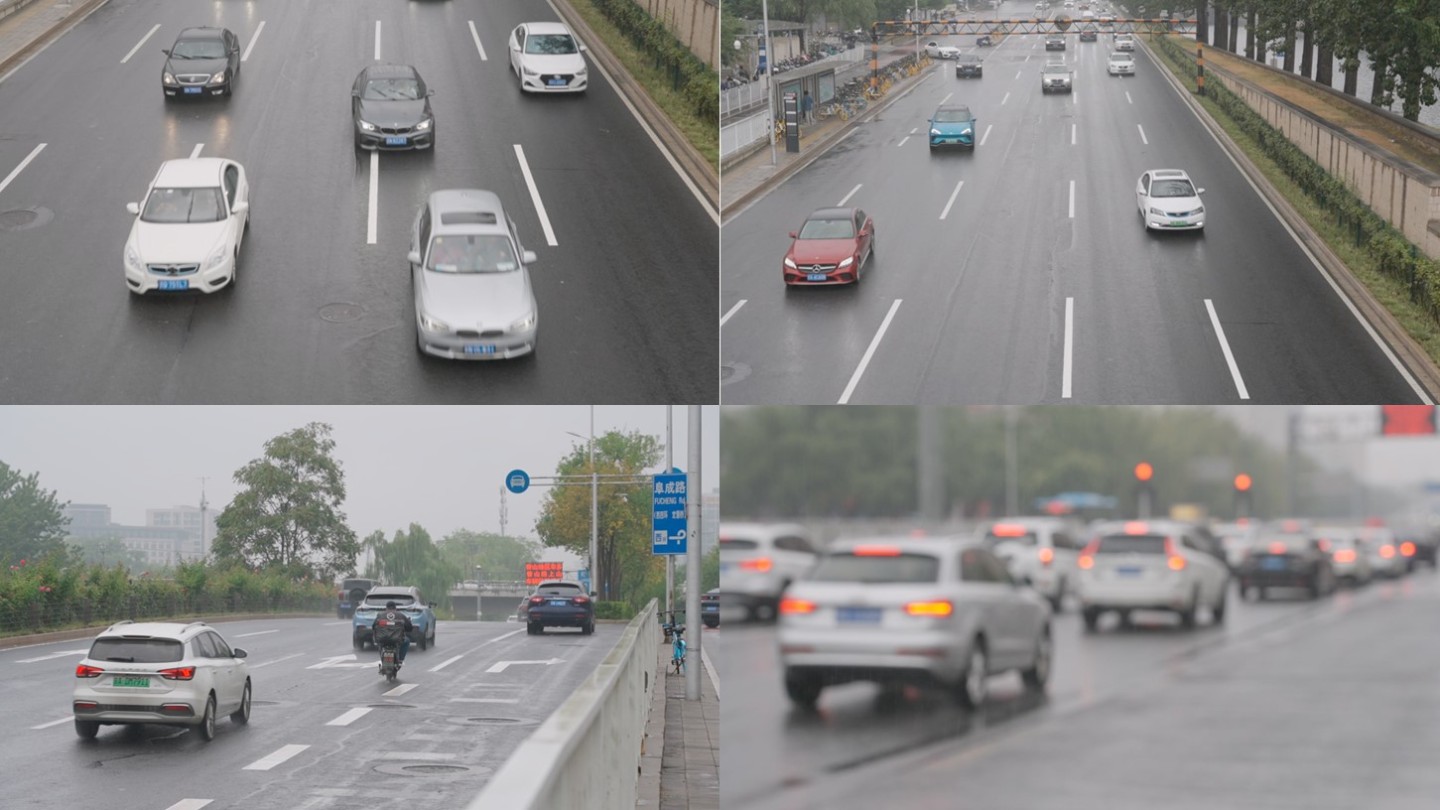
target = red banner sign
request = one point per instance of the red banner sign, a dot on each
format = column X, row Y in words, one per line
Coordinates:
column 536, row 573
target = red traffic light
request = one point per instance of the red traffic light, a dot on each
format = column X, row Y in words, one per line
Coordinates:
column 1143, row 471
column 1242, row 483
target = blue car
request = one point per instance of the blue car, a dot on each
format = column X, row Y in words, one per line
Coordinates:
column 952, row 125
column 408, row 600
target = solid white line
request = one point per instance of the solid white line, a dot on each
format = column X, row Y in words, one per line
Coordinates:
column 54, row 723
column 23, row 164
column 52, row 656
column 141, row 42
column 1224, row 346
column 1072, row 199
column 377, row 40
column 195, row 153
column 351, row 716
column 951, row 201
column 1142, row 134
column 710, row 669
column 373, row 222
column 1005, row 99
column 476, row 36
column 484, row 700
column 258, row 633
column 447, row 662
column 189, row 804
column 1017, row 73
column 535, row 195
column 733, row 310
column 945, row 99
column 848, row 196
column 276, row 661
column 903, row 140
column 1073, row 127
column 1069, row 347
column 399, row 690
column 870, row 352
column 254, row 38
column 265, row 763
column 1127, row 97
column 337, row 624
column 987, row 134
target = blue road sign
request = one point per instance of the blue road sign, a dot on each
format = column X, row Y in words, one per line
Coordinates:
column 517, row 481
column 584, row 576
column 668, row 522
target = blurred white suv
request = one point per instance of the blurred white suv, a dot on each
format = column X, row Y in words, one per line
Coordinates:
column 757, row 563
column 1039, row 550
column 1152, row 565
column 160, row 672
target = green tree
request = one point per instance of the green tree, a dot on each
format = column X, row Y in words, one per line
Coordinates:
column 108, row 551
column 710, row 569
column 412, row 558
column 287, row 514
column 31, row 522
column 499, row 557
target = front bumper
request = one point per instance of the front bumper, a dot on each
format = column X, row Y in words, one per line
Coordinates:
column 841, row 656
column 963, row 141
column 961, row 72
column 574, row 83
column 180, row 278
column 381, row 141
column 473, row 346
column 808, row 276
column 200, row 90
column 1055, row 87
column 1193, row 222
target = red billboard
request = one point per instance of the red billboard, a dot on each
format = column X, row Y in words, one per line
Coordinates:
column 536, row 573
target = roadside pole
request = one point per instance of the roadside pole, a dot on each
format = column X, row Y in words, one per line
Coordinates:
column 692, row 558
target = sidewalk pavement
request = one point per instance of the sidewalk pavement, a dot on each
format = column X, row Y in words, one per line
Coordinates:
column 25, row 31
column 680, row 766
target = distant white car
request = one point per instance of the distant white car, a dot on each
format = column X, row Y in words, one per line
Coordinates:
column 1124, row 42
column 187, row 231
column 1151, row 565
column 547, row 58
column 1121, row 64
column 1169, row 201
column 939, row 51
column 1041, row 551
column 758, row 562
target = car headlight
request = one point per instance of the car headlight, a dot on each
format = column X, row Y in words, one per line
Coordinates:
column 528, row 72
column 218, row 256
column 218, row 77
column 1200, row 210
column 790, row 263
column 524, row 323
column 1156, row 211
column 934, row 132
column 433, row 324
column 168, row 78
column 849, row 260
column 132, row 258
column 967, row 131
column 580, row 72
column 424, row 125
column 367, row 126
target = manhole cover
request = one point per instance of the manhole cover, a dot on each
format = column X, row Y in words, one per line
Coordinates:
column 391, row 706
column 435, row 768
column 21, row 219
column 342, row 312
column 431, row 769
column 733, row 372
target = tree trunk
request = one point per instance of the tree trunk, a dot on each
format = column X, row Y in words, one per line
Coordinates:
column 1222, row 28
column 1254, row 49
column 1235, row 34
column 1325, row 69
column 1290, row 48
column 1307, row 60
column 1352, row 76
column 1377, row 84
column 1202, row 22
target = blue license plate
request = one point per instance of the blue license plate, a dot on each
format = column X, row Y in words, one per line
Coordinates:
column 170, row 284
column 1272, row 564
column 1128, row 571
column 480, row 349
column 858, row 615
column 815, row 277
column 710, row 608
column 559, row 602
column 557, row 82
column 193, row 90
column 396, row 140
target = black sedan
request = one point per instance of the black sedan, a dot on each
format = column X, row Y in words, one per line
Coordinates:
column 968, row 64
column 557, row 603
column 1287, row 561
column 391, row 108
column 710, row 608
column 203, row 62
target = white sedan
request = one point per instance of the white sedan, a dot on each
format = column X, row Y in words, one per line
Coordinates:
column 187, row 232
column 939, row 51
column 547, row 58
column 1169, row 201
column 1121, row 64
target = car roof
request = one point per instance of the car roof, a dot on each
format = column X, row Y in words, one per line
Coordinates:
column 1171, row 173
column 547, row 28
column 953, row 107
column 190, row 172
column 467, row 200
column 201, row 32
column 761, row 531
column 388, row 71
column 174, row 630
column 831, row 213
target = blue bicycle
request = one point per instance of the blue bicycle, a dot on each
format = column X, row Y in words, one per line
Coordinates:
column 675, row 634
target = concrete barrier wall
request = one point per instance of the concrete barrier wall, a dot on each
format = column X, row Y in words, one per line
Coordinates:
column 694, row 22
column 586, row 756
column 1403, row 194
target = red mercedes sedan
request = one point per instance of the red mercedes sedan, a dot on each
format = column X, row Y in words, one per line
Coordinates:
column 830, row 248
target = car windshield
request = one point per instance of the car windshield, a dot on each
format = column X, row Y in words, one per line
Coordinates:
column 184, row 205
column 137, row 650
column 877, row 569
column 550, row 44
column 392, row 89
column 828, row 229
column 1119, row 57
column 198, row 49
column 737, row 544
column 958, row 115
column 400, row 600
column 472, row 253
column 1172, row 188
column 1132, row 544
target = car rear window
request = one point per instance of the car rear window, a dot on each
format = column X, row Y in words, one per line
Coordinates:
column 737, row 544
column 559, row 590
column 874, row 570
column 137, row 650
column 379, row 600
column 1132, row 544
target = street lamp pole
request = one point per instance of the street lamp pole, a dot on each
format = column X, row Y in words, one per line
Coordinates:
column 594, row 509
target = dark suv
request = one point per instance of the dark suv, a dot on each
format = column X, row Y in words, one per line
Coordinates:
column 352, row 593
column 1287, row 561
column 558, row 603
column 202, row 62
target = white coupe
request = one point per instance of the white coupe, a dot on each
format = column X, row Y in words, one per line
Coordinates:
column 187, row 232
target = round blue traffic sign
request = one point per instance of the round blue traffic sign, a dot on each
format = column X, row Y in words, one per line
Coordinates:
column 517, row 481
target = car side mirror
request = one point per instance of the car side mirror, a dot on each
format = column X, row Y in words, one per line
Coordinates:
column 528, row 257
column 354, row 93
column 413, row 257
column 583, row 49
column 239, row 652
column 1200, row 191
column 241, row 207
column 165, row 51
column 133, row 208
column 794, row 235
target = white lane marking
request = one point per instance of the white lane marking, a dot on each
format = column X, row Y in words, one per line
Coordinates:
column 254, row 38
column 58, row 654
column 710, row 668
column 1072, row 199
column 848, row 196
column 535, row 195
column 21, row 167
column 1225, row 347
column 351, row 716
column 276, row 661
column 1069, row 347
column 869, row 352
column 476, row 36
column 195, row 153
column 372, row 223
column 400, row 690
column 189, row 804
column 269, row 761
column 1073, row 128
column 340, row 662
column 484, row 700
column 733, row 310
column 906, row 138
column 141, row 42
column 447, row 662
column 951, row 201
column 501, row 637
column 1127, row 97
column 945, row 99
column 1142, row 134
column 258, row 633
column 54, row 723
column 1005, row 99
column 1075, row 97
column 337, row 624
column 1017, row 73
column 987, row 133
column 504, row 665
column 377, row 40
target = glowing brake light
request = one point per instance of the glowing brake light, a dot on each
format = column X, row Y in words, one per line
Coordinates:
column 1277, row 548
column 178, row 673
column 788, row 605
column 1324, row 545
column 1387, row 551
column 1047, row 556
column 876, row 551
column 1008, row 530
column 1407, row 548
column 580, row 600
column 761, row 564
column 87, row 671
column 936, row 608
column 1087, row 557
column 1176, row 562
column 1345, row 555
column 1137, row 527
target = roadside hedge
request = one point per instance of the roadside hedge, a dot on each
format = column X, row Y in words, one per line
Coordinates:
column 688, row 75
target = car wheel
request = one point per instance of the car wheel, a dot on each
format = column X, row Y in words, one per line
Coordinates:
column 358, row 642
column 1187, row 616
column 804, row 691
column 424, row 643
column 588, row 629
column 764, row 612
column 973, row 686
column 1092, row 619
column 1057, row 602
column 1039, row 672
column 1217, row 612
column 433, row 631
column 241, row 716
column 207, row 723
column 533, row 629
column 87, row 729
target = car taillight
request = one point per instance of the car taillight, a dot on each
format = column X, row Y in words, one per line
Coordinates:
column 1387, row 551
column 1277, row 548
column 936, row 608
column 1175, row 561
column 1324, row 545
column 1047, row 555
column 1345, row 555
column 1087, row 557
column 87, row 671
column 761, row 564
column 1407, row 548
column 788, row 605
column 580, row 600
column 178, row 673
column 535, row 600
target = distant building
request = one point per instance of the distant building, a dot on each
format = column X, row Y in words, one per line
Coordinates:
column 170, row 536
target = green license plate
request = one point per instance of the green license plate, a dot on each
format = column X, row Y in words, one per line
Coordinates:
column 118, row 681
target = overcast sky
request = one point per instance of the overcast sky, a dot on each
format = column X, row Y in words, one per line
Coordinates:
column 441, row 467
column 1347, row 436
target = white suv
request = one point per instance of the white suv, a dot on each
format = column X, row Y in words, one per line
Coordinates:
column 1039, row 550
column 758, row 562
column 1152, row 565
column 160, row 672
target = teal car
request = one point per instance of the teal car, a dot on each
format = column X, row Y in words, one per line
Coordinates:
column 952, row 125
